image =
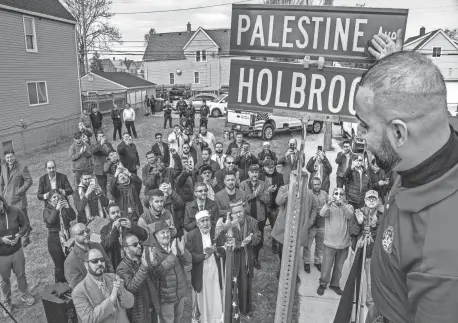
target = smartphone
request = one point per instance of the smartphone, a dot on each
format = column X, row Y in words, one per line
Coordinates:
column 291, row 146
column 92, row 181
column 320, row 148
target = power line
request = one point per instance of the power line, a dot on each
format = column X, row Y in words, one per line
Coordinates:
column 181, row 9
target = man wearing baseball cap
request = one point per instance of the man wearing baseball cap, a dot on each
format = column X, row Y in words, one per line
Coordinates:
column 275, row 179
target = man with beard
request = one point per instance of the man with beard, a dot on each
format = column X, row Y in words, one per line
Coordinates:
column 112, row 234
column 74, row 267
column 206, row 272
column 128, row 154
column 380, row 181
column 185, row 182
column 167, row 114
column 125, row 190
column 167, row 260
column 229, row 166
column 138, row 280
column 100, row 152
column 316, row 227
column 229, row 194
column 319, row 166
column 101, row 297
column 181, row 107
column 92, row 199
column 15, row 181
column 218, row 156
column 204, row 113
column 175, row 205
column 201, row 203
column 257, row 195
column 343, row 161
column 196, row 149
column 116, row 115
column 337, row 214
column 235, row 144
column 247, row 236
column 245, row 160
column 207, row 137
column 160, row 148
column 291, row 159
column 401, row 105
column 271, row 177
column 191, row 115
column 176, row 141
column 155, row 172
column 266, row 153
column 189, row 154
column 53, row 180
column 109, row 169
column 206, row 160
column 96, row 119
column 155, row 211
column 13, row 226
column 358, row 182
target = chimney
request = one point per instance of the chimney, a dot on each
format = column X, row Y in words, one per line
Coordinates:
column 422, row 31
column 189, row 27
column 114, row 58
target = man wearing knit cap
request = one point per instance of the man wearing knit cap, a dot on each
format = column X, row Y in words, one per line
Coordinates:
column 205, row 263
column 167, row 258
column 258, row 197
column 246, row 234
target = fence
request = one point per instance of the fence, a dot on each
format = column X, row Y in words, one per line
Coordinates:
column 104, row 101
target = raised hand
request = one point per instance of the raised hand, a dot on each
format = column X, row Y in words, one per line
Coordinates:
column 385, row 46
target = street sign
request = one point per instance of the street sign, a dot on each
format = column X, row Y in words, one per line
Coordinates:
column 338, row 33
column 270, row 87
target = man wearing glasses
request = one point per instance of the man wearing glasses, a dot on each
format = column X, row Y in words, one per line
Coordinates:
column 343, row 161
column 358, row 182
column 337, row 214
column 101, row 297
column 201, row 203
column 74, row 268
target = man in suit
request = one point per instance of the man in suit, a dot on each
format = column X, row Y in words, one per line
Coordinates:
column 74, row 267
column 53, row 180
column 206, row 277
column 15, row 181
column 291, row 159
column 229, row 194
column 128, row 154
column 101, row 297
column 160, row 148
column 201, row 203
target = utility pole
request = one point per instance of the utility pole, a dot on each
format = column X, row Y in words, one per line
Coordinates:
column 84, row 45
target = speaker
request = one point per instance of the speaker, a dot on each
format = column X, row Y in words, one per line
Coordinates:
column 58, row 304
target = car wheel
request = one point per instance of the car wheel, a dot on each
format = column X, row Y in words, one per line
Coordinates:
column 317, row 126
column 268, row 132
column 216, row 113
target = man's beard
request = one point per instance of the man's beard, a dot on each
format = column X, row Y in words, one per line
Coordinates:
column 219, row 151
column 386, row 157
column 94, row 272
column 230, row 186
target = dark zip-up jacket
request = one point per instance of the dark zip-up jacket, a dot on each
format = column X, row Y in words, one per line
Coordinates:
column 96, row 119
column 15, row 224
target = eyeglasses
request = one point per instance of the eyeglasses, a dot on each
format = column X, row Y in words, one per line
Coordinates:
column 346, row 146
column 230, row 163
column 135, row 244
column 87, row 230
column 339, row 194
column 360, row 160
column 97, row 260
column 202, row 191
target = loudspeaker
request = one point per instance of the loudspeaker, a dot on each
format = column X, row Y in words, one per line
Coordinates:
column 58, row 304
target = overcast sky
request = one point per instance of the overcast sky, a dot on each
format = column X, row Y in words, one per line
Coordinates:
column 431, row 14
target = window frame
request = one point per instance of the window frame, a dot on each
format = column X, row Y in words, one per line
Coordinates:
column 172, row 75
column 440, row 52
column 198, row 56
column 202, row 55
column 36, row 87
column 35, row 43
column 198, row 77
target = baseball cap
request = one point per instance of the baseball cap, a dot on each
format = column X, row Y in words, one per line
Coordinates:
column 269, row 163
column 372, row 193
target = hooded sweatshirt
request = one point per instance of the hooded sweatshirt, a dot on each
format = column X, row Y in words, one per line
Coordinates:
column 336, row 234
column 12, row 222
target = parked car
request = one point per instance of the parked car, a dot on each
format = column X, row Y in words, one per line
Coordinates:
column 197, row 99
column 224, row 89
column 218, row 106
column 177, row 93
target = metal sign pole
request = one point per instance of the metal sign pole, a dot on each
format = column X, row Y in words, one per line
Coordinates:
column 295, row 220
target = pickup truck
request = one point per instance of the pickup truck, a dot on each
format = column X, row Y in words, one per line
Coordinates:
column 265, row 124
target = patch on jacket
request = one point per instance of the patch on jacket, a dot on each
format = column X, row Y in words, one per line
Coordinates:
column 387, row 239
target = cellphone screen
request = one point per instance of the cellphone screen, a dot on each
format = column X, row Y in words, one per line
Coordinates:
column 320, row 148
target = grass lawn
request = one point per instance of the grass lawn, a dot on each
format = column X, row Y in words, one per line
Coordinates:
column 39, row 266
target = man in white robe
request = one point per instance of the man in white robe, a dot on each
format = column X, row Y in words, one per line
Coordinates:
column 206, row 275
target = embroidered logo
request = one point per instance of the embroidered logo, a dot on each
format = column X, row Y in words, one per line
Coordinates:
column 387, row 239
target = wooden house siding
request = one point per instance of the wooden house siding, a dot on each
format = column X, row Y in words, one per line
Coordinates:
column 56, row 63
column 101, row 85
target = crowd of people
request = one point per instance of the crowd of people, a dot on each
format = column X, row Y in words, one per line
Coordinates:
column 127, row 252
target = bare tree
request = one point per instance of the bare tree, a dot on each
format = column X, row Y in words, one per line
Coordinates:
column 96, row 63
column 452, row 33
column 152, row 31
column 93, row 28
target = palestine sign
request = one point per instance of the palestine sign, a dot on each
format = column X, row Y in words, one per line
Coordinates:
column 337, row 33
column 295, row 31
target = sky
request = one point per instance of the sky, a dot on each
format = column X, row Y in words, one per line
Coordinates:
column 430, row 14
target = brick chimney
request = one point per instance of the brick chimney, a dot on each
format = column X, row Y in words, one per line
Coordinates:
column 422, row 31
column 189, row 27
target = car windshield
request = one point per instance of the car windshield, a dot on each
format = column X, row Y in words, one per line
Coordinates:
column 219, row 98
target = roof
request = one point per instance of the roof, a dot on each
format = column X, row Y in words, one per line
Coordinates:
column 46, row 7
column 128, row 62
column 423, row 39
column 169, row 46
column 124, row 79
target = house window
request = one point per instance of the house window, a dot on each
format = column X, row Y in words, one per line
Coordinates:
column 8, row 145
column 201, row 55
column 38, row 93
column 196, row 78
column 172, row 78
column 30, row 34
column 437, row 52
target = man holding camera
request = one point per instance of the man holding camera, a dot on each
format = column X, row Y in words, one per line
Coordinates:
column 128, row 154
column 319, row 166
column 101, row 297
column 245, row 160
column 291, row 159
column 92, row 199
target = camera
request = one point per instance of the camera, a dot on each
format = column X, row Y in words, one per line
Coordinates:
column 320, row 148
column 292, row 146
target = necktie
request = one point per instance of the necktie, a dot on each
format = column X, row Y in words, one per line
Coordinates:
column 104, row 289
column 201, row 207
